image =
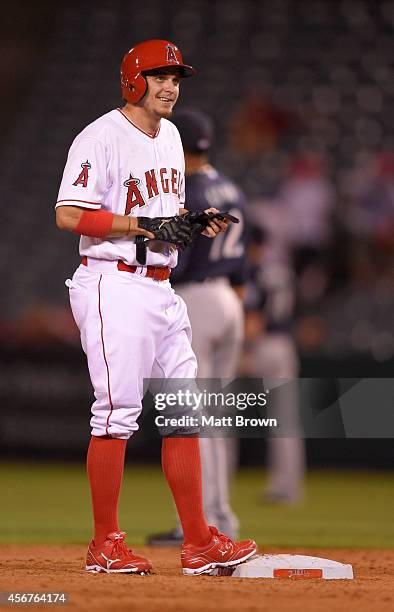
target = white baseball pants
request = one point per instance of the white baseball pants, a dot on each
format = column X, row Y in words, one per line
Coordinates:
column 132, row 327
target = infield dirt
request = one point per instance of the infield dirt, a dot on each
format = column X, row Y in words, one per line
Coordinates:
column 60, row 568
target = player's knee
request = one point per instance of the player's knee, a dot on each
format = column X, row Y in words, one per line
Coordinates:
column 117, row 422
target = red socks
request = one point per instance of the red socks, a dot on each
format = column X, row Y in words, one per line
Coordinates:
column 182, row 468
column 105, row 462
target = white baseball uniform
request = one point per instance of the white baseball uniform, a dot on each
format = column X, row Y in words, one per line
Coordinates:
column 132, row 327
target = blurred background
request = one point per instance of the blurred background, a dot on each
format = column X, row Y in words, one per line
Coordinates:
column 302, row 95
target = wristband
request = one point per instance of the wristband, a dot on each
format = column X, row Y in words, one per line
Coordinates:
column 95, row 223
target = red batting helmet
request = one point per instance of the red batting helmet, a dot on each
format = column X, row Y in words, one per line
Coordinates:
column 145, row 56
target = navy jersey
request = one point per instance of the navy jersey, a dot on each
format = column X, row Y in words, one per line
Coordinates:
column 224, row 255
column 270, row 289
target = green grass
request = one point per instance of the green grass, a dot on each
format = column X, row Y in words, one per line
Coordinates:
column 43, row 503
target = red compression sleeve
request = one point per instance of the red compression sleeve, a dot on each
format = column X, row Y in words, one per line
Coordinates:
column 95, row 223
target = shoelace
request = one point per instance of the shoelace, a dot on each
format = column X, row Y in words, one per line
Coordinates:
column 222, row 537
column 119, row 547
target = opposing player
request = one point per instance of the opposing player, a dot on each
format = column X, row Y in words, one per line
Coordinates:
column 210, row 277
column 269, row 301
column 122, row 184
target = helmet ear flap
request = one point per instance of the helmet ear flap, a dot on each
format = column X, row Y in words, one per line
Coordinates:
column 134, row 89
column 140, row 87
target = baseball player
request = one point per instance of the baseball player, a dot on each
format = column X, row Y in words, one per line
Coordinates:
column 209, row 277
column 269, row 300
column 122, row 191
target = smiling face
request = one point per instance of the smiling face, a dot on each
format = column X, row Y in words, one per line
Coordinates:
column 162, row 93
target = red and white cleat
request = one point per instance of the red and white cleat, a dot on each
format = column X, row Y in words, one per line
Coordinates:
column 221, row 551
column 113, row 557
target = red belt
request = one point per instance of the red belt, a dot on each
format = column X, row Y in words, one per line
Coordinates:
column 155, row 272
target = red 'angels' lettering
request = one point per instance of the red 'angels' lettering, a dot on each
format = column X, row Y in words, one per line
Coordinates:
column 171, row 57
column 164, row 181
column 151, row 183
column 134, row 196
column 174, row 180
column 83, row 175
column 168, row 178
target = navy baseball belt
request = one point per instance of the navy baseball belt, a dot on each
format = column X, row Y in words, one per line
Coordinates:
column 158, row 273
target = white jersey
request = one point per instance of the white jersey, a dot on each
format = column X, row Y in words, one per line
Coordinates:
column 114, row 166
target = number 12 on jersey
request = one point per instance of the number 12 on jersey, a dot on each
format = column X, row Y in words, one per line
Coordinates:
column 229, row 245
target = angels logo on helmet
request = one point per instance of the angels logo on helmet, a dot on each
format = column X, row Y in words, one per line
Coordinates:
column 171, row 57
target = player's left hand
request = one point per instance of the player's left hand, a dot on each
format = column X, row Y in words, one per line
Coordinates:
column 216, row 226
column 209, row 222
